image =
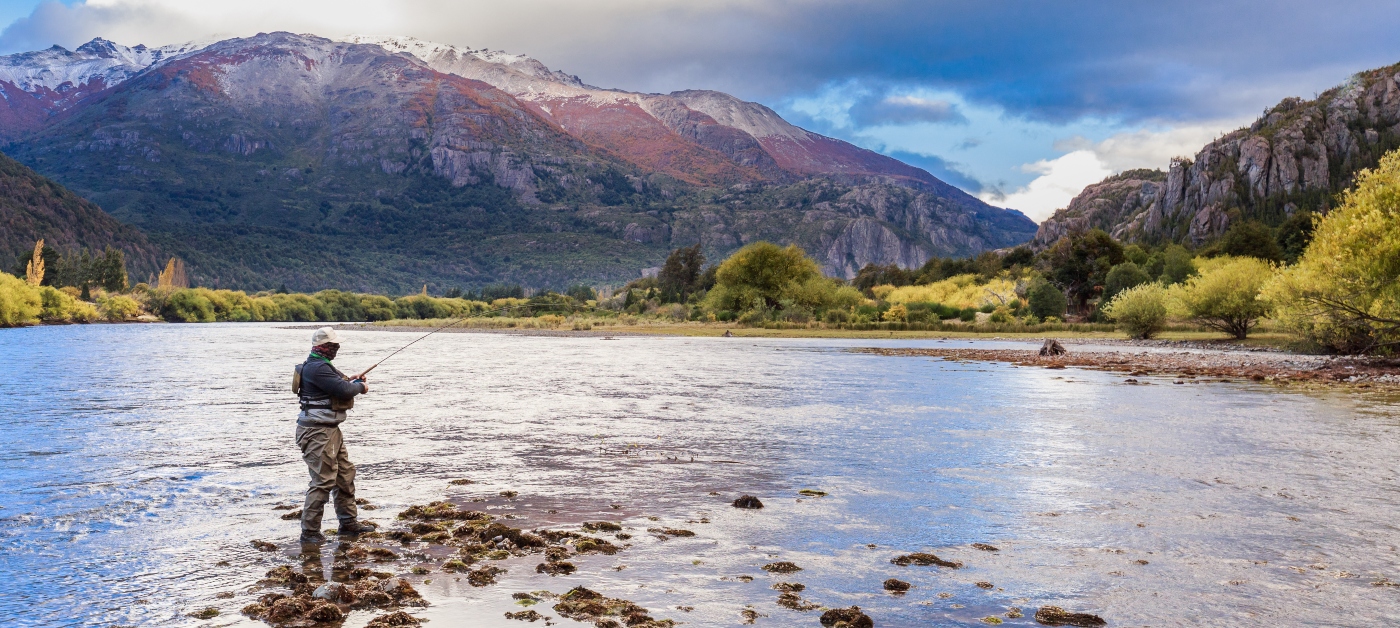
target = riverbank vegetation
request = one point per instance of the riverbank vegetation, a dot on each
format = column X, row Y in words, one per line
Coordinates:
column 1331, row 281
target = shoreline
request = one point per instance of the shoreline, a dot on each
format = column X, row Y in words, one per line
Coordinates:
column 1189, row 366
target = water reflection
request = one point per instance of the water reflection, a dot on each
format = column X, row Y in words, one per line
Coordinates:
column 136, row 458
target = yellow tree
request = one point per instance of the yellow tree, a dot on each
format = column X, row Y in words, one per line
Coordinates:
column 1344, row 293
column 34, row 273
column 173, row 276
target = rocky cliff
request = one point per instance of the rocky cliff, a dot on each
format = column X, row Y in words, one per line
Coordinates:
column 1295, row 157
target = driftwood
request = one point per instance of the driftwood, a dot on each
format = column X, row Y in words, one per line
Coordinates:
column 1052, row 348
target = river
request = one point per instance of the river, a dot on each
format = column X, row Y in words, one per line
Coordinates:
column 138, row 461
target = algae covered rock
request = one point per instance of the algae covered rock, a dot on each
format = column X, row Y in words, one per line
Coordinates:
column 1056, row 616
column 846, row 618
column 924, row 559
column 748, row 502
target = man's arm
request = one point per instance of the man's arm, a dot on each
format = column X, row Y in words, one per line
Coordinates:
column 330, row 382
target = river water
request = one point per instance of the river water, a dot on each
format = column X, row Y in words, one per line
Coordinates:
column 137, row 462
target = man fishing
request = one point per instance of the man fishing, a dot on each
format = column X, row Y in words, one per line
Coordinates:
column 325, row 394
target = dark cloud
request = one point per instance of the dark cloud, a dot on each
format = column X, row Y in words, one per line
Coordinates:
column 943, row 169
column 878, row 110
column 1053, row 60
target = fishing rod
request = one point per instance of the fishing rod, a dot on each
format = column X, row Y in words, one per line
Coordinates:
column 449, row 324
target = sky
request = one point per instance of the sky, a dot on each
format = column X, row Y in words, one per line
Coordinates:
column 1019, row 103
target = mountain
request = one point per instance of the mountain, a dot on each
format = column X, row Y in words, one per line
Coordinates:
column 33, row 207
column 384, row 164
column 1296, row 157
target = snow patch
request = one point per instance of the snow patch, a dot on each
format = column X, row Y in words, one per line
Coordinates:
column 59, row 69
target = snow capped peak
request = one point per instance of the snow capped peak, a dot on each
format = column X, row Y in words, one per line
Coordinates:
column 98, row 61
column 450, row 59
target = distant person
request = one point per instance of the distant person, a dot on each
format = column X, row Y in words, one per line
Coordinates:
column 325, row 395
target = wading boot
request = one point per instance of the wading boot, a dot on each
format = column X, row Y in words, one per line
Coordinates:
column 312, row 537
column 355, row 528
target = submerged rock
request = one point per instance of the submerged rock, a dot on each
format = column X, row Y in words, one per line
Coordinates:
column 1056, row 616
column 525, row 615
column 206, row 613
column 791, row 601
column 484, row 576
column 846, row 618
column 601, row 526
column 986, row 548
column 441, row 510
column 923, row 559
column 749, row 502
column 585, row 605
column 781, row 567
column 295, row 514
column 393, row 620
column 556, row 568
column 895, row 585
column 263, row 546
column 791, row 587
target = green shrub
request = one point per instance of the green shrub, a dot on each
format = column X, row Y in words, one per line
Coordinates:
column 20, row 303
column 188, row 305
column 1225, row 295
column 1344, row 293
column 117, row 307
column 1046, row 300
column 61, row 307
column 1122, row 277
column 1141, row 311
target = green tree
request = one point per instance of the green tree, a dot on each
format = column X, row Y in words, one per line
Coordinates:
column 1177, row 265
column 757, row 275
column 111, row 271
column 1295, row 234
column 1136, row 254
column 1250, row 238
column 1225, row 295
column 581, row 293
column 1344, row 293
column 1045, row 300
column 1140, row 311
column 20, row 303
column 1079, row 264
column 1122, row 277
column 681, row 272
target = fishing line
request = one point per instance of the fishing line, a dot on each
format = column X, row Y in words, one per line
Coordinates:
column 449, row 324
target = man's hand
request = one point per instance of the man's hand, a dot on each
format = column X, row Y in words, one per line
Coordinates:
column 363, row 383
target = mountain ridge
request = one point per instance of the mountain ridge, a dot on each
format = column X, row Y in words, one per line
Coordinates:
column 1294, row 158
column 241, row 154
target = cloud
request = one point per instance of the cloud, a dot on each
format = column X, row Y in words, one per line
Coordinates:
column 1059, row 181
column 950, row 172
column 1132, row 60
column 1150, row 148
column 904, row 110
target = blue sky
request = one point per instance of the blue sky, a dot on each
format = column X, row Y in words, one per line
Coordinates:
column 1021, row 103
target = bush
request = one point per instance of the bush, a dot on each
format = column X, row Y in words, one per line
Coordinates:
column 758, row 275
column 61, row 307
column 1177, row 265
column 1122, row 277
column 1141, row 311
column 188, row 305
column 896, row 313
column 117, row 308
column 1344, row 293
column 1225, row 295
column 1251, row 238
column 960, row 291
column 1046, row 300
column 20, row 303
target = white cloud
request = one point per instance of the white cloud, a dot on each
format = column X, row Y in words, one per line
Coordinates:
column 1060, row 180
column 1149, row 147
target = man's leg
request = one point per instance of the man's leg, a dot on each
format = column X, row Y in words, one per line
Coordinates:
column 345, row 509
column 315, row 444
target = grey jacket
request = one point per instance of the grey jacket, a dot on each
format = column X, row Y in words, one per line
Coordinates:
column 320, row 381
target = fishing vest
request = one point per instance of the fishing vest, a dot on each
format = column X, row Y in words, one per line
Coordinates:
column 324, row 402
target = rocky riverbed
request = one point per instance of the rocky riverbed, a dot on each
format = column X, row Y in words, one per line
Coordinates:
column 1189, row 363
